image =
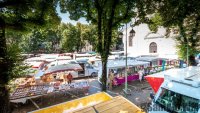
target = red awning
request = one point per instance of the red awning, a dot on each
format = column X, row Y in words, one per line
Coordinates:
column 155, row 82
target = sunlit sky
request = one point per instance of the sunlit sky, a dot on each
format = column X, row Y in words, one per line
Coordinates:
column 65, row 18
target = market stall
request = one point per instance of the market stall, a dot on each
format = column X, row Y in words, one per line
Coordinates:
column 118, row 68
column 157, row 64
column 57, row 72
column 21, row 95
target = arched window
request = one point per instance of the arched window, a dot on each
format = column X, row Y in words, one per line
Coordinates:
column 153, row 47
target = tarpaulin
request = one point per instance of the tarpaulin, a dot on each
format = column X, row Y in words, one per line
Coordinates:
column 155, row 82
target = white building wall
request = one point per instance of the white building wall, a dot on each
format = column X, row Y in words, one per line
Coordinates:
column 166, row 47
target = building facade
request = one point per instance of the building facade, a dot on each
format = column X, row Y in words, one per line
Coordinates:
column 146, row 42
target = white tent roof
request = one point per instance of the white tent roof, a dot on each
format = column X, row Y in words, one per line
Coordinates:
column 147, row 58
column 63, row 58
column 121, row 63
column 61, row 62
column 83, row 55
column 35, row 64
column 34, row 59
column 169, row 56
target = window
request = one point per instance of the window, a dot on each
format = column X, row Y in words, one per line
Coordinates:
column 153, row 47
column 130, row 41
column 177, row 103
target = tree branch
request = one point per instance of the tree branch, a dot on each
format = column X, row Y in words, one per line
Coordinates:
column 6, row 3
column 124, row 17
column 108, row 40
column 89, row 12
column 99, row 25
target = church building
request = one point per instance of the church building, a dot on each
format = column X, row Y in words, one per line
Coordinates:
column 145, row 42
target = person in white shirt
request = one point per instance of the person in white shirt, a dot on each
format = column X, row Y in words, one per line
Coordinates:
column 140, row 72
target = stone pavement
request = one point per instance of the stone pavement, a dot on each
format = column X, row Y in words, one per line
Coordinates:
column 140, row 91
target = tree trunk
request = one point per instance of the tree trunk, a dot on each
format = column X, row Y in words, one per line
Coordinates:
column 192, row 61
column 104, row 24
column 104, row 56
column 4, row 99
column 104, row 74
column 4, row 74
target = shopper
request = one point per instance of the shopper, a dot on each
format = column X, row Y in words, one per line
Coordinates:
column 65, row 77
column 140, row 74
column 69, row 78
column 111, row 77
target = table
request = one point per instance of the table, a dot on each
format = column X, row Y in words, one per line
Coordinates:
column 23, row 94
column 132, row 77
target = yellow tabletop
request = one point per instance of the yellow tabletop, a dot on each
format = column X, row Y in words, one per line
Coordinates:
column 118, row 104
column 76, row 104
column 96, row 103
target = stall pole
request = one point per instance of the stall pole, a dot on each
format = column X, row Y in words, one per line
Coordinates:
column 187, row 54
column 126, row 81
column 126, row 84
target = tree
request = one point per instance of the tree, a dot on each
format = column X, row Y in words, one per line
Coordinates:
column 70, row 34
column 182, row 17
column 90, row 35
column 19, row 15
column 52, row 39
column 78, row 34
column 107, row 15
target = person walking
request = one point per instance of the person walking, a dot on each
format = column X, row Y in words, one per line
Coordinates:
column 140, row 74
column 65, row 77
column 69, row 78
column 111, row 77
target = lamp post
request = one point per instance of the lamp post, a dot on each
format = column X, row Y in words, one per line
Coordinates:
column 187, row 48
column 187, row 54
column 131, row 34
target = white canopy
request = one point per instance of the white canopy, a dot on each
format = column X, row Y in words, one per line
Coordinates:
column 63, row 58
column 35, row 59
column 121, row 63
column 148, row 58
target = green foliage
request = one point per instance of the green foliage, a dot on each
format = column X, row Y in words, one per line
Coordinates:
column 156, row 21
column 67, row 37
column 19, row 15
column 26, row 14
column 15, row 61
column 70, row 40
column 107, row 15
column 40, row 40
column 79, row 35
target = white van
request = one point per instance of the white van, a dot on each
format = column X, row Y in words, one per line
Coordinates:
column 179, row 93
column 88, row 70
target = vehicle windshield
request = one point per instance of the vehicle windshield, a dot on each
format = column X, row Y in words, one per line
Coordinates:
column 177, row 103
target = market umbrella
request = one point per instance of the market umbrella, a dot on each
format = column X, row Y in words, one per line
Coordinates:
column 64, row 67
column 92, row 53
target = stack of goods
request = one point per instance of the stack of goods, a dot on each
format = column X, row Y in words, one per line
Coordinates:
column 29, row 91
column 19, row 93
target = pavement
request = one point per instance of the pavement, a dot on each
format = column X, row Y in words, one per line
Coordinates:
column 139, row 95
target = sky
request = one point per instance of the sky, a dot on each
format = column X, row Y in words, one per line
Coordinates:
column 65, row 18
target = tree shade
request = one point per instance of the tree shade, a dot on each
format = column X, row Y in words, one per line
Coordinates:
column 20, row 15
